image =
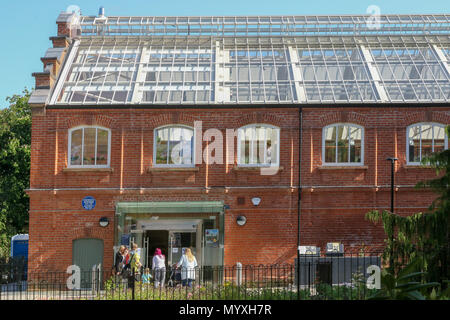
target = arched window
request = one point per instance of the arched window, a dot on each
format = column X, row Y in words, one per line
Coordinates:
column 424, row 139
column 258, row 145
column 174, row 146
column 343, row 144
column 89, row 146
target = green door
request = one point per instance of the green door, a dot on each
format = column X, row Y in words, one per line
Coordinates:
column 88, row 255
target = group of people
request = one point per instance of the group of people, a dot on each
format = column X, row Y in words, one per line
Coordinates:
column 128, row 267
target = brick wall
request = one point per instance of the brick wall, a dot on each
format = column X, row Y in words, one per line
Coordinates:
column 334, row 201
column 271, row 224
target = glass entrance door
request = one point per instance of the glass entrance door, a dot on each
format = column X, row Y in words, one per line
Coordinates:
column 178, row 242
column 156, row 239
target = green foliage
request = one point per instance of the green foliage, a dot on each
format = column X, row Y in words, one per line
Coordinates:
column 230, row 291
column 15, row 143
column 327, row 292
column 439, row 293
column 407, row 284
column 424, row 236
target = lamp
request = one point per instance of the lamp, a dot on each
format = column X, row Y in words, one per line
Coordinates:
column 256, row 201
column 241, row 220
column 103, row 221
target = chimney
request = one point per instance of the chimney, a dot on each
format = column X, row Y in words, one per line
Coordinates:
column 68, row 29
column 69, row 25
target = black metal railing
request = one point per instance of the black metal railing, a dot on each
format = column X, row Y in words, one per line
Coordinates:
column 312, row 277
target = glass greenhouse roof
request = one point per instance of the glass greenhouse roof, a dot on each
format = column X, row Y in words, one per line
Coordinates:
column 257, row 60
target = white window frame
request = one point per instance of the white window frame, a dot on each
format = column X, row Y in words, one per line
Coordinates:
column 433, row 124
column 159, row 165
column 262, row 165
column 69, row 165
column 342, row 164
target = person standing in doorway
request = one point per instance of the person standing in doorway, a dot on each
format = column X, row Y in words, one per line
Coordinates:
column 188, row 263
column 159, row 268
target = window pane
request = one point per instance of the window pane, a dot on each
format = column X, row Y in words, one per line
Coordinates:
column 330, row 144
column 102, row 147
column 439, row 138
column 427, row 140
column 355, row 144
column 244, row 145
column 272, row 146
column 342, row 143
column 188, row 146
column 253, row 145
column 175, row 146
column 75, row 148
column 414, row 144
column 89, row 146
column 260, row 145
column 162, row 140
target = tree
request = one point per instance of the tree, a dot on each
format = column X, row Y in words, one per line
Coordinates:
column 15, row 143
column 422, row 236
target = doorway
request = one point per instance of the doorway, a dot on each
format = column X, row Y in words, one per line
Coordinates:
column 171, row 243
column 157, row 239
column 88, row 255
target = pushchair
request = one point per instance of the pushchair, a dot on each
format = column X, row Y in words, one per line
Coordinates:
column 174, row 278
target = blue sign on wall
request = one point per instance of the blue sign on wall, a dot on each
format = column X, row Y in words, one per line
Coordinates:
column 88, row 203
column 125, row 240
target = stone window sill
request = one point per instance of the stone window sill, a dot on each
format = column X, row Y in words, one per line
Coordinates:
column 180, row 169
column 244, row 168
column 416, row 166
column 343, row 168
column 110, row 170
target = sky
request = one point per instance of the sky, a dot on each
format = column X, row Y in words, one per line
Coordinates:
column 26, row 25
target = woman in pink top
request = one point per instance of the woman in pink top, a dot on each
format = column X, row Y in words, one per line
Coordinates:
column 159, row 268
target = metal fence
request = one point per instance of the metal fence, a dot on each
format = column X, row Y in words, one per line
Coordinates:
column 314, row 277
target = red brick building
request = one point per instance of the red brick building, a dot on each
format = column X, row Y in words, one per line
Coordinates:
column 128, row 109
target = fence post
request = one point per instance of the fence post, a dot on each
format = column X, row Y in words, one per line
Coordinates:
column 238, row 274
column 132, row 284
column 93, row 280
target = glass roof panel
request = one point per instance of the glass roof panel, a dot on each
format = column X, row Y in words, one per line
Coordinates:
column 410, row 72
column 339, row 72
column 255, row 70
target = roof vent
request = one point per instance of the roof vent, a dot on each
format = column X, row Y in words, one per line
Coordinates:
column 100, row 21
column 101, row 12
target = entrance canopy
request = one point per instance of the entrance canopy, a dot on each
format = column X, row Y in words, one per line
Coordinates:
column 169, row 207
column 179, row 224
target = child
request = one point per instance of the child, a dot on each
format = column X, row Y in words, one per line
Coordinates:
column 146, row 276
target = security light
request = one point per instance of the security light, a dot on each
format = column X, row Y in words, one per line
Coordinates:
column 241, row 220
column 103, row 222
column 256, row 201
